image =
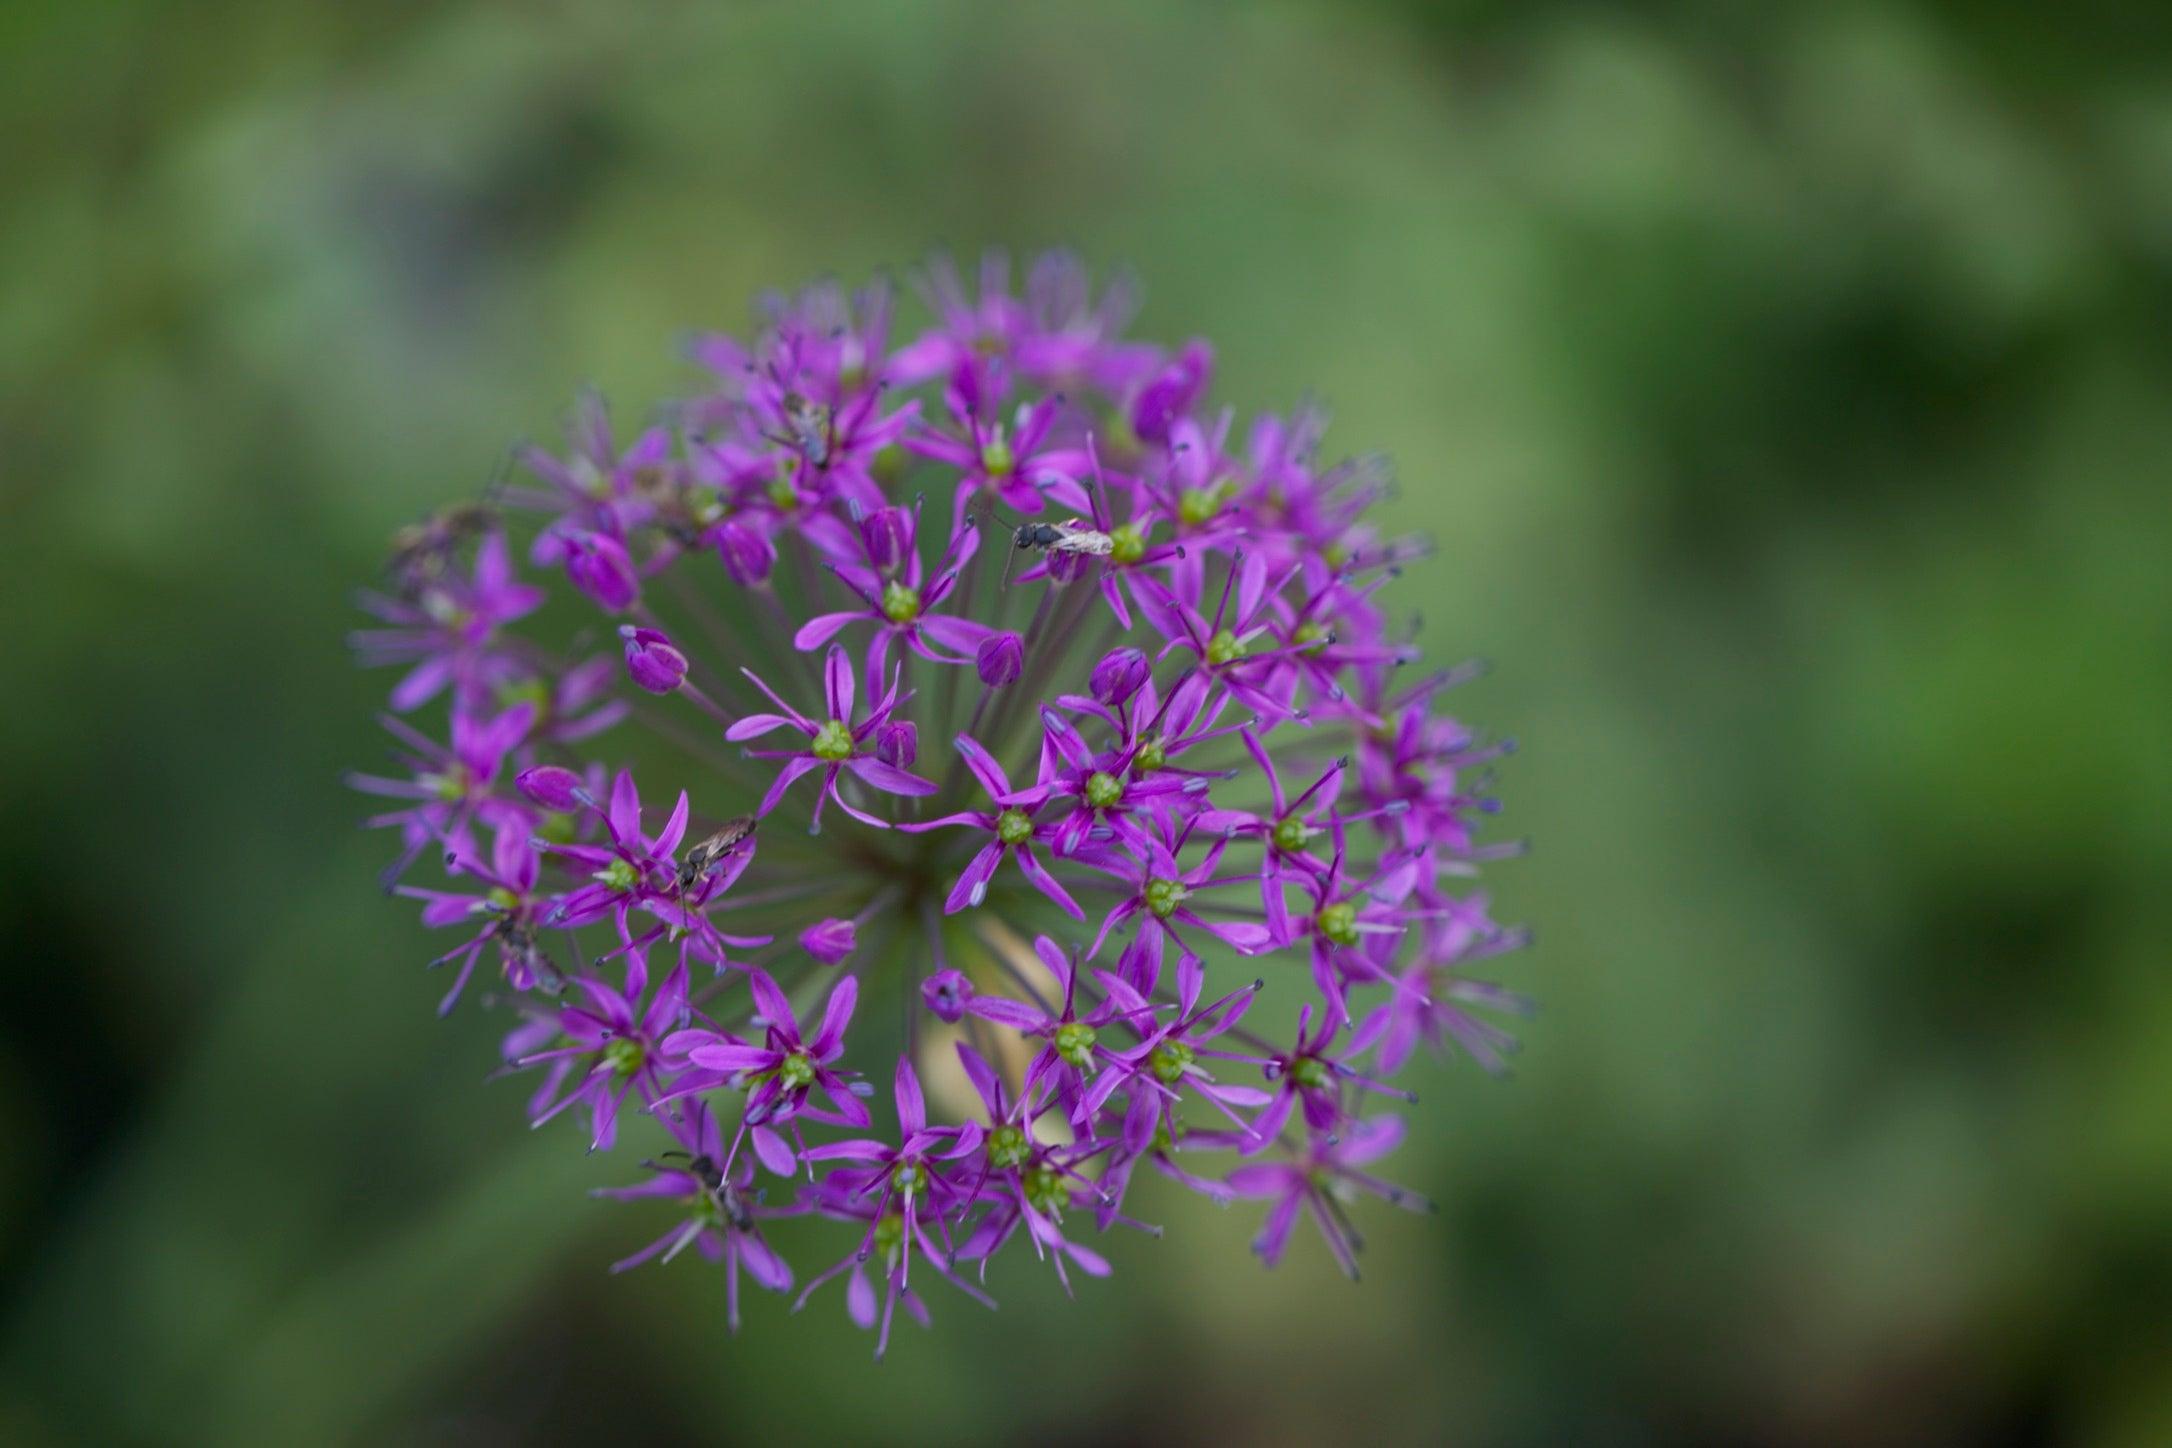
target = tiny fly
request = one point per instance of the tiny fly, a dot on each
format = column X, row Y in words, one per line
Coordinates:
column 1070, row 537
column 516, row 939
column 730, row 1202
column 421, row 551
column 704, row 857
column 813, row 429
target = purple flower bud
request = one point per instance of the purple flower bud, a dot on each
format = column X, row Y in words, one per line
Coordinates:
column 1172, row 392
column 748, row 555
column 1000, row 658
column 1120, row 674
column 655, row 665
column 887, row 534
column 829, row 941
column 599, row 566
column 898, row 743
column 947, row 992
column 551, row 787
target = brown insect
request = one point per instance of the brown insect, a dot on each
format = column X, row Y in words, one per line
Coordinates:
column 705, row 856
column 421, row 552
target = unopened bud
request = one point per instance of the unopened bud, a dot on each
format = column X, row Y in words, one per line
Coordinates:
column 887, row 535
column 551, row 787
column 829, row 941
column 654, row 664
column 1120, row 674
column 1000, row 658
column 600, row 567
column 898, row 743
column 748, row 555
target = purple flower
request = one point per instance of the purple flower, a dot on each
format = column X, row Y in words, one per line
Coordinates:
column 1028, row 1182
column 782, row 1073
column 449, row 634
column 900, row 601
column 1434, row 1001
column 1309, row 1186
column 1156, row 662
column 947, row 993
column 1011, row 831
column 1074, row 1068
column 1172, row 393
column 619, row 1043
column 450, row 785
column 901, row 1189
column 1160, row 899
column 1311, row 1073
column 634, row 869
column 509, row 911
column 835, row 746
column 721, row 1207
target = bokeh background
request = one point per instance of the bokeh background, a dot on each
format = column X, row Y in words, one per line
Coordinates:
column 1789, row 391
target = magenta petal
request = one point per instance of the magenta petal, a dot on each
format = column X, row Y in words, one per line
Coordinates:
column 912, row 1108
column 837, row 1015
column 773, row 1150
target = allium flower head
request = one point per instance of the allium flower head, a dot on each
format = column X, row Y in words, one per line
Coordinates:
column 1138, row 821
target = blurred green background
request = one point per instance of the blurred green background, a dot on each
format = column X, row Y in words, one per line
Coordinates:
column 1789, row 390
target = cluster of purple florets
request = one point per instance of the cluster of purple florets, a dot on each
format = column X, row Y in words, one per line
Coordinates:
column 990, row 672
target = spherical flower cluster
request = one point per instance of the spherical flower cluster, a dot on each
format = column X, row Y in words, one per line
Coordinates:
column 991, row 672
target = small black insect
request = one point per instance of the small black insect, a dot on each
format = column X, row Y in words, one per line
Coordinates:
column 731, row 1203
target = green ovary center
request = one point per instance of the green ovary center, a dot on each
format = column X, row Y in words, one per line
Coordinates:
column 1151, row 755
column 1225, row 647
column 1291, row 834
column 1007, row 1147
column 1128, row 544
column 1047, row 1190
column 900, row 605
column 1311, row 638
column 501, row 898
column 452, row 785
column 624, row 1055
column 1170, row 1060
column 796, row 1071
column 1103, row 791
column 1163, row 897
column 1013, row 828
column 1339, row 923
column 909, row 1177
column 889, row 1236
column 833, row 741
column 1075, row 1043
column 528, row 691
column 1199, row 505
column 1310, row 1072
column 620, row 876
column 996, row 457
